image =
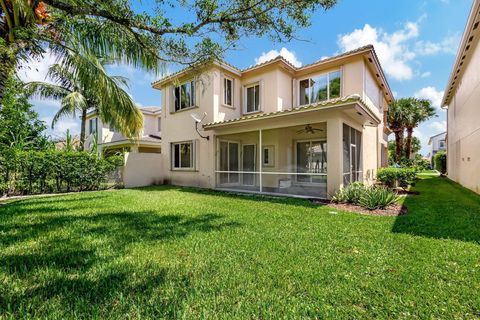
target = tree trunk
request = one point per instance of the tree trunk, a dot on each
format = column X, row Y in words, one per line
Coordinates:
column 83, row 124
column 408, row 143
column 398, row 145
column 7, row 67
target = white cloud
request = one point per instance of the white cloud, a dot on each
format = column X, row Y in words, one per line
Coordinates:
column 438, row 126
column 392, row 48
column 426, row 74
column 62, row 126
column 448, row 45
column 431, row 94
column 398, row 49
column 284, row 52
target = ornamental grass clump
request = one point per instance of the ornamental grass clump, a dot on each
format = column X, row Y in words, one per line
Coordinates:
column 371, row 198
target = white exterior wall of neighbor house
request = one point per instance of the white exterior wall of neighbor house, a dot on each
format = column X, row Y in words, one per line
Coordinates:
column 462, row 99
column 437, row 143
column 278, row 91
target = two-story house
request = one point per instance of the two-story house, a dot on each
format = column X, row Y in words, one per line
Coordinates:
column 437, row 143
column 143, row 160
column 274, row 128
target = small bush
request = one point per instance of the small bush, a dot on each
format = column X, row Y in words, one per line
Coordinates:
column 377, row 198
column 30, row 172
column 440, row 162
column 368, row 197
column 349, row 194
column 392, row 177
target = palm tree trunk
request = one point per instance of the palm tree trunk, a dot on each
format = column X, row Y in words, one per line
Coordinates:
column 408, row 143
column 7, row 67
column 398, row 145
column 83, row 120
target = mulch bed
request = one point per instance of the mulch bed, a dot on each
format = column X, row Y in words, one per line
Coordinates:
column 392, row 210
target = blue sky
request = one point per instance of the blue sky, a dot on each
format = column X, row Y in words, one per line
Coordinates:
column 416, row 42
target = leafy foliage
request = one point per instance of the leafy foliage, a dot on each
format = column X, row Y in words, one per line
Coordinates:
column 392, row 177
column 371, row 198
column 377, row 198
column 350, row 194
column 20, row 126
column 440, row 162
column 29, row 172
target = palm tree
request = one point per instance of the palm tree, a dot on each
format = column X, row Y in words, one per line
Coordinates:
column 396, row 123
column 24, row 24
column 82, row 84
column 416, row 111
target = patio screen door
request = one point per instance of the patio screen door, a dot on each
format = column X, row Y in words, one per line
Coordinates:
column 248, row 164
column 229, row 161
column 352, row 148
column 311, row 158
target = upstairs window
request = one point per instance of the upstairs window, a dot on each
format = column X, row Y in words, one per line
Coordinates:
column 92, row 125
column 320, row 88
column 228, row 91
column 185, row 96
column 252, row 98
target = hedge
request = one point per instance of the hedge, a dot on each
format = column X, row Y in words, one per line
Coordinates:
column 392, row 177
column 31, row 172
column 440, row 162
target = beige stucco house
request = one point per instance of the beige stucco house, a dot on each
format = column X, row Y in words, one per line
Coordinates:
column 462, row 101
column 143, row 159
column 275, row 128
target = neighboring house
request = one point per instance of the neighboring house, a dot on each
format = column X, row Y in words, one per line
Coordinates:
column 276, row 128
column 143, row 160
column 437, row 143
column 462, row 99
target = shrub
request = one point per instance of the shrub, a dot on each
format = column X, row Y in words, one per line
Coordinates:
column 392, row 177
column 368, row 197
column 350, row 193
column 377, row 198
column 28, row 172
column 440, row 162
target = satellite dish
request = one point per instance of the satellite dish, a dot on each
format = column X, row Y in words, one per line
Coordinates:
column 197, row 117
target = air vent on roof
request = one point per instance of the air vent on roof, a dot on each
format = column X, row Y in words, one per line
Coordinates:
column 475, row 26
column 470, row 39
column 464, row 57
column 467, row 47
column 378, row 75
column 370, row 59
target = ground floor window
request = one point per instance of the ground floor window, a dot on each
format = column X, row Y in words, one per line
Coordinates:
column 352, row 151
column 311, row 158
column 229, row 161
column 183, row 155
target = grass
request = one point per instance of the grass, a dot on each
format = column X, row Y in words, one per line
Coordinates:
column 166, row 252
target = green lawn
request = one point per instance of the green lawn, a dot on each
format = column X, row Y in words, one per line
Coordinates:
column 165, row 252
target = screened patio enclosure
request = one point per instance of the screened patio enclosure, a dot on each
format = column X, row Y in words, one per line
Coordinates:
column 290, row 161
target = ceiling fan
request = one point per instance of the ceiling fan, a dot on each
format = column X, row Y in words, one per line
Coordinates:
column 309, row 129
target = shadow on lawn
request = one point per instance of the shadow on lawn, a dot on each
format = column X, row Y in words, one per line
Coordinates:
column 442, row 210
column 80, row 258
column 233, row 195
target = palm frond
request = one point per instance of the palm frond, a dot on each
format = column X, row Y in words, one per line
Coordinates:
column 45, row 90
column 73, row 102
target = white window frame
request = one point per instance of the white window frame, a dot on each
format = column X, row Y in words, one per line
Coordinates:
column 192, row 156
column 328, row 84
column 193, row 88
column 95, row 128
column 271, row 156
column 225, row 79
column 245, row 100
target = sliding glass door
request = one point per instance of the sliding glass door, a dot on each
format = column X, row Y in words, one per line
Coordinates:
column 352, row 151
column 229, row 161
column 311, row 159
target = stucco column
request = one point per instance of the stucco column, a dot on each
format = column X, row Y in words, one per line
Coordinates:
column 334, row 155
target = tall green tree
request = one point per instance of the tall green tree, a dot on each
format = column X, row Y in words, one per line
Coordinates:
column 396, row 122
column 112, row 28
column 20, row 126
column 82, row 84
column 416, row 112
